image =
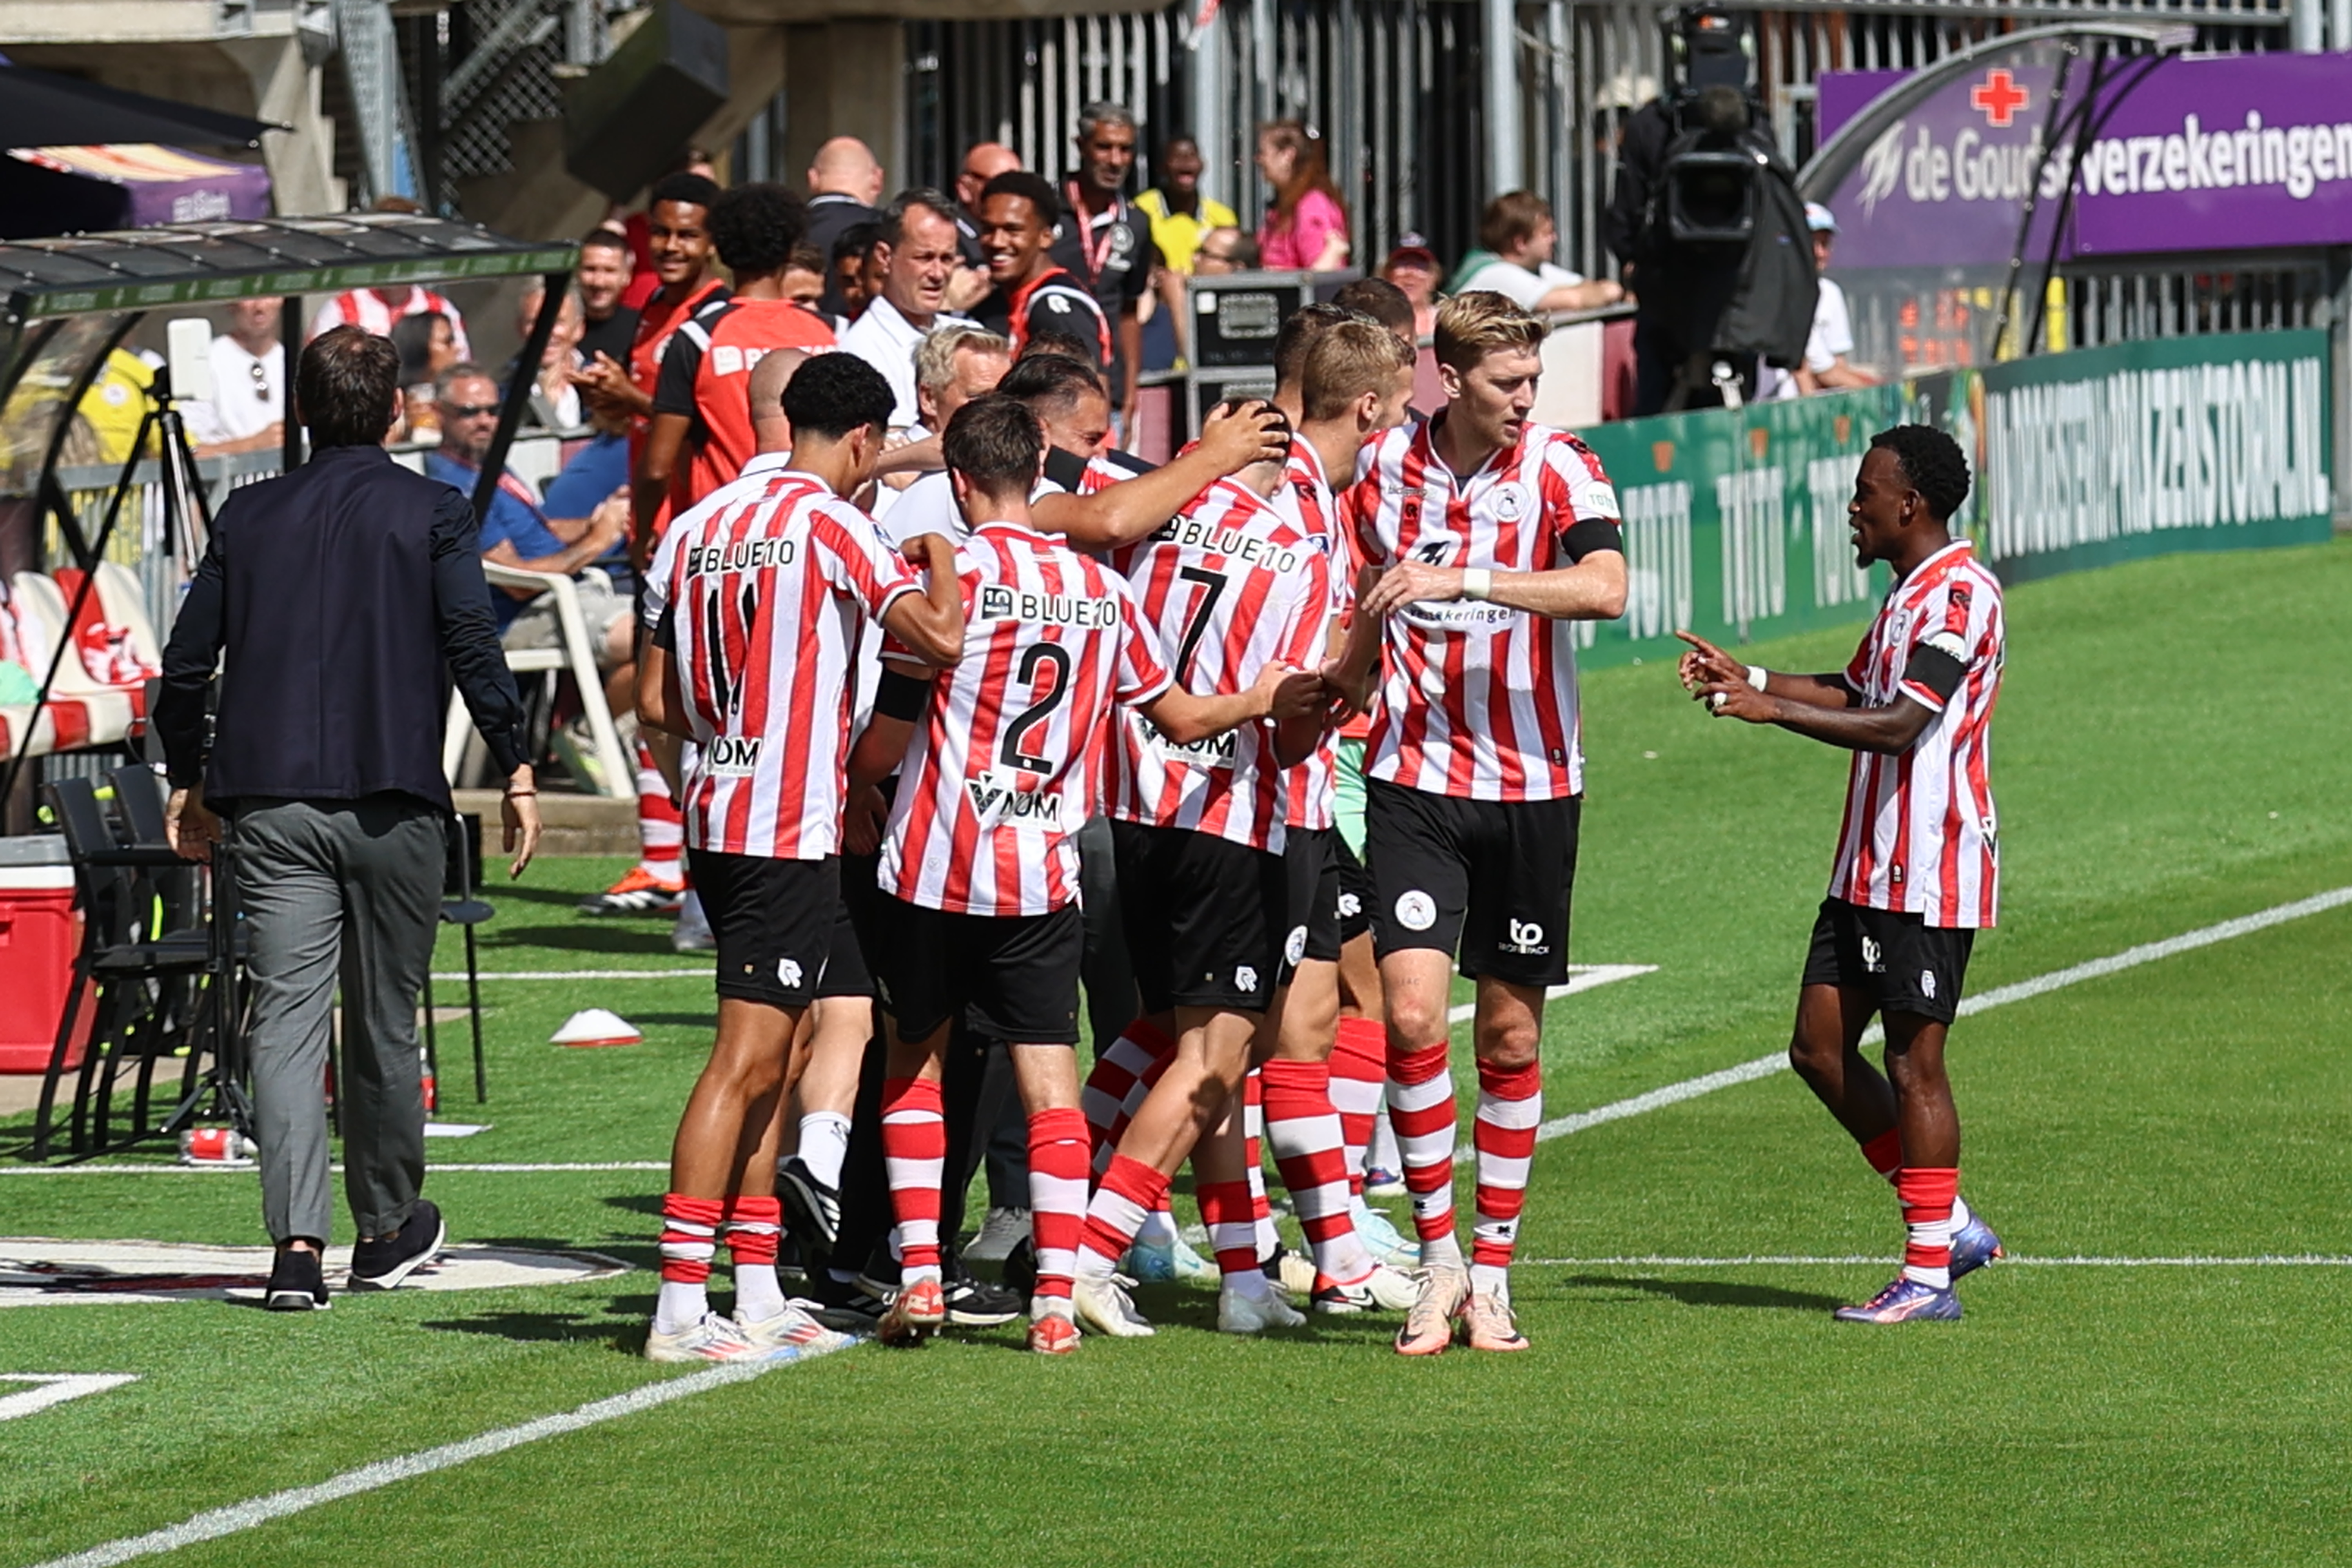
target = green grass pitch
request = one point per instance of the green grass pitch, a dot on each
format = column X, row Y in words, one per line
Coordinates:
column 2168, row 755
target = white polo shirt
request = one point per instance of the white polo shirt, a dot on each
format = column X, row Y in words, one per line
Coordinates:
column 885, row 340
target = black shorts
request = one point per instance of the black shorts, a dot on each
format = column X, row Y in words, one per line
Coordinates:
column 1310, row 867
column 845, row 974
column 1355, row 890
column 1486, row 878
column 1204, row 917
column 1903, row 963
column 1012, row 977
column 774, row 920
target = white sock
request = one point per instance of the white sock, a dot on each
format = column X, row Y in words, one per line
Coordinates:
column 918, row 1273
column 759, row 1295
column 1159, row 1229
column 1491, row 1279
column 1051, row 1307
column 1959, row 1215
column 680, row 1306
column 1383, row 1154
column 1249, row 1282
column 824, row 1143
column 1442, row 1252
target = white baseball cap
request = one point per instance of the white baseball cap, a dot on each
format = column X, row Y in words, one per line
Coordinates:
column 1819, row 219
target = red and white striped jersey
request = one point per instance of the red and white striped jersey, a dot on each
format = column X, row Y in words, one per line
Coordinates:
column 1920, row 834
column 1477, row 699
column 1006, row 764
column 762, row 586
column 1306, row 503
column 361, row 308
column 1231, row 587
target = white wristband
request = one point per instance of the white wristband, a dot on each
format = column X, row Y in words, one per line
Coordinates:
column 1756, row 676
column 1477, row 582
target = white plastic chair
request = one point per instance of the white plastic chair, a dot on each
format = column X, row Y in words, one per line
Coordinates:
column 577, row 655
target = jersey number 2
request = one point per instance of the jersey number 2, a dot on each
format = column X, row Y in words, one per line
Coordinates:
column 1046, row 692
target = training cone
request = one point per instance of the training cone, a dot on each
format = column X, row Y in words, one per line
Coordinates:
column 596, row 1026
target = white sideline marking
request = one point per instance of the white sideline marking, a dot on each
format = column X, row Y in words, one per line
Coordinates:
column 1581, row 977
column 56, row 1389
column 213, row 1523
column 493, row 1168
column 460, row 976
column 2000, row 996
column 2266, row 1260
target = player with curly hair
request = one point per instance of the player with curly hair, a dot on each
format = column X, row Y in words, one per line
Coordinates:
column 700, row 409
column 1917, row 863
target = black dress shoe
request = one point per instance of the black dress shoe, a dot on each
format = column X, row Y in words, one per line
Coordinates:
column 297, row 1283
column 383, row 1263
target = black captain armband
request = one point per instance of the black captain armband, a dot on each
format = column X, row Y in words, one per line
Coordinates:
column 1935, row 667
column 665, row 637
column 901, row 695
column 1588, row 535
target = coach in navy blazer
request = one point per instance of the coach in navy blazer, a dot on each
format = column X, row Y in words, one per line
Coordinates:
column 332, row 600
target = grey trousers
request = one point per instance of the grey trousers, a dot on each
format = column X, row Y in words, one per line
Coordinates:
column 349, row 890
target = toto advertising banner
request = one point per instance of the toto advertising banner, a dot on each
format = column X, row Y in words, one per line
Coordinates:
column 2242, row 153
column 1735, row 520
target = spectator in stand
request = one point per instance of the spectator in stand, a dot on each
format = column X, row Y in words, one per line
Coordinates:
column 1224, row 250
column 1181, row 214
column 855, row 271
column 375, row 310
column 844, row 181
column 916, row 252
column 1516, row 237
column 555, row 400
column 638, row 227
column 982, row 162
column 246, row 412
column 516, row 531
column 602, row 276
column 1825, row 368
column 429, row 346
column 1306, row 228
column 1413, row 267
column 1034, row 294
column 804, row 277
column 1107, row 244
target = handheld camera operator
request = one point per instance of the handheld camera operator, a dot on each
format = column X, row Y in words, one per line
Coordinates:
column 331, row 599
column 1706, row 220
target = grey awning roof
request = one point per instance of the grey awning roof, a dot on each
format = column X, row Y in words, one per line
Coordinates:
column 140, row 269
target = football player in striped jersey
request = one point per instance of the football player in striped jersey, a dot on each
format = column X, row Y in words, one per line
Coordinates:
column 1918, row 861
column 1494, row 536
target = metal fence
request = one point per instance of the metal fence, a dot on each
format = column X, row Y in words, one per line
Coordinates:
column 1397, row 88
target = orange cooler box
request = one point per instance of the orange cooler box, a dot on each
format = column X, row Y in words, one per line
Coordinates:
column 41, row 932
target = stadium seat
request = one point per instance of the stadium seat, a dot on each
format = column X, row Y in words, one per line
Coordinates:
column 578, row 656
column 139, row 974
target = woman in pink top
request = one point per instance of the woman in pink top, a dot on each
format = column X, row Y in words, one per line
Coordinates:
column 1306, row 230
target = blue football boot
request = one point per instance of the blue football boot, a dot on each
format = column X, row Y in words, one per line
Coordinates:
column 1906, row 1300
column 1974, row 1245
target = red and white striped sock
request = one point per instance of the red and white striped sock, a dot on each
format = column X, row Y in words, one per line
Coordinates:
column 1884, row 1154
column 661, row 830
column 1057, row 1195
column 1510, row 1104
column 1927, row 1196
column 1308, row 1151
column 915, row 1157
column 1122, row 1075
column 751, row 1229
column 1129, row 1190
column 1254, row 1163
column 1226, row 1210
column 1359, row 1075
column 1421, row 1108
column 689, row 1239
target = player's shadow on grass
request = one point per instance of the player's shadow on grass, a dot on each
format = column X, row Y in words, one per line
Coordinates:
column 703, row 1020
column 1706, row 1292
column 494, row 885
column 627, row 1336
column 641, row 942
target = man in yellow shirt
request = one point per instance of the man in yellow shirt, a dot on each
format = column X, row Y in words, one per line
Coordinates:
column 1180, row 214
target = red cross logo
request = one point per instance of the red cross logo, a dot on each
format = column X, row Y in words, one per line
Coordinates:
column 2000, row 97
